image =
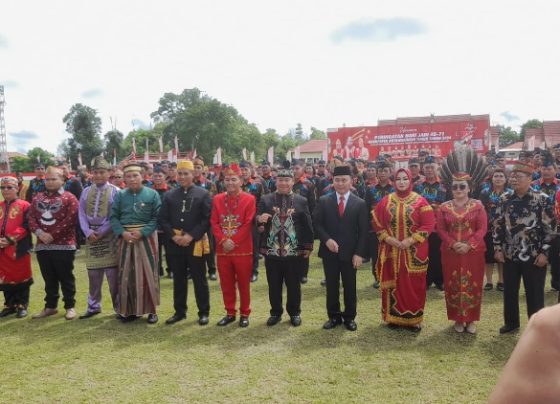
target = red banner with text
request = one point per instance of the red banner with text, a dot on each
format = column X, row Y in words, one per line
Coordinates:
column 403, row 142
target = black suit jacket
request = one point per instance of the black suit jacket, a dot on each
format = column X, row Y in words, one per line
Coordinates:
column 194, row 220
column 350, row 231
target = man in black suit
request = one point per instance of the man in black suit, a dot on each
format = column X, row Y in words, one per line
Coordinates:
column 341, row 221
column 185, row 219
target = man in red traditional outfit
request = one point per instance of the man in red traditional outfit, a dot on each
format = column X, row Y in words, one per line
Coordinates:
column 15, row 242
column 232, row 223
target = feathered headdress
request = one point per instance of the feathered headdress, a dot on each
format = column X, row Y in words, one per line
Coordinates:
column 464, row 165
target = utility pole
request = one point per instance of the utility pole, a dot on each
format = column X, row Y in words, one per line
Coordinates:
column 4, row 159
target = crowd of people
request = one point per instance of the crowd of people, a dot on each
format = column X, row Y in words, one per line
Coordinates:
column 447, row 222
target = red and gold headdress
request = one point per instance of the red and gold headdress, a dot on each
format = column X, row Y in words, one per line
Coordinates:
column 232, row 169
column 461, row 176
column 10, row 179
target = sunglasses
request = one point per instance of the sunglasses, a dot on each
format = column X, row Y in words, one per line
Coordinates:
column 462, row 187
column 7, row 187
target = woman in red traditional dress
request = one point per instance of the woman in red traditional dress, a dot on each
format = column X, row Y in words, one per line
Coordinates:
column 403, row 221
column 15, row 242
column 462, row 225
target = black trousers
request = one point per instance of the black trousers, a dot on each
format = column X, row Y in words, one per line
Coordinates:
column 533, row 281
column 289, row 272
column 256, row 239
column 56, row 268
column 434, row 274
column 17, row 295
column 335, row 270
column 305, row 267
column 180, row 264
column 373, row 250
column 554, row 259
column 211, row 258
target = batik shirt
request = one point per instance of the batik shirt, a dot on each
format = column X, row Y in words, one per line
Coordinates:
column 524, row 226
column 549, row 189
column 490, row 200
column 305, row 188
column 270, row 183
column 205, row 183
column 374, row 194
column 360, row 185
column 36, row 185
column 255, row 188
column 435, row 193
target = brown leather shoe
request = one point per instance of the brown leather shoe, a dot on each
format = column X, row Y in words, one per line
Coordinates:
column 45, row 313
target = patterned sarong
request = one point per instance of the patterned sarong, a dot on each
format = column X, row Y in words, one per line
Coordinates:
column 139, row 276
column 103, row 253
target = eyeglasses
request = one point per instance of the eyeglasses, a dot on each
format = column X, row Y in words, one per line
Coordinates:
column 462, row 187
column 7, row 187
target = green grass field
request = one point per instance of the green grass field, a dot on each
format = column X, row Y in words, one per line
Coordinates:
column 103, row 360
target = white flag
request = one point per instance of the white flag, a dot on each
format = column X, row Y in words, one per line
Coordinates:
column 253, row 157
column 80, row 159
column 147, row 151
column 244, row 154
column 133, row 145
column 161, row 144
column 176, row 146
column 270, row 155
column 170, row 155
column 289, row 155
column 194, row 154
column 219, row 156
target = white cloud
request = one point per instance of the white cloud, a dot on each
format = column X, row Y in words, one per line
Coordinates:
column 276, row 62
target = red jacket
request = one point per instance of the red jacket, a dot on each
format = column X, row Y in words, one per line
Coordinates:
column 55, row 213
column 232, row 218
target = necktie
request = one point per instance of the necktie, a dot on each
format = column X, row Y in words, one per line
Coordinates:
column 341, row 206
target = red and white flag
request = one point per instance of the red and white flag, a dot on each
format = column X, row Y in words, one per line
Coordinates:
column 270, row 155
column 219, row 156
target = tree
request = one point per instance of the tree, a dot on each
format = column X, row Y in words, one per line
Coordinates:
column 530, row 124
column 84, row 125
column 21, row 164
column 317, row 134
column 38, row 155
column 204, row 123
column 114, row 144
column 298, row 133
column 507, row 136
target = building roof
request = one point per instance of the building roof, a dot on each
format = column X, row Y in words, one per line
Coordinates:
column 314, row 146
column 11, row 154
column 513, row 147
column 430, row 119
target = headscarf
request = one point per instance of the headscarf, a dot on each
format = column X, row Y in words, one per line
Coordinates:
column 405, row 193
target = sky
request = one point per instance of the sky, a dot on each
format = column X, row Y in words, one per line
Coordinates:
column 319, row 63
